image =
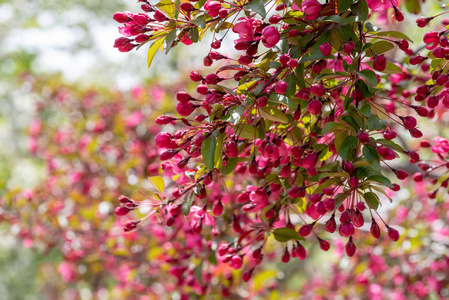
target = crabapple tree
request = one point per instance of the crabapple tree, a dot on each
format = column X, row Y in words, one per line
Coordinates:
column 293, row 134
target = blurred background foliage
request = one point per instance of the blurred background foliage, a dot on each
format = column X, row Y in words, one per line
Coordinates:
column 76, row 119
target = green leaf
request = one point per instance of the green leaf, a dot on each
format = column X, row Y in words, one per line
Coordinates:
column 369, row 152
column 285, row 234
column 351, row 122
column 395, row 34
column 153, row 49
column 246, row 132
column 375, row 123
column 381, row 179
column 330, row 126
column 208, row 151
column 343, row 5
column 198, row 272
column 169, row 39
column 234, row 114
column 157, row 182
column 200, row 21
column 257, row 6
column 194, row 35
column 366, row 109
column 361, row 8
column 168, row 7
column 339, row 139
column 379, row 48
column 369, row 76
column 413, row 6
column 230, row 166
column 218, row 155
column 187, row 204
column 371, row 199
column 273, row 114
column 345, row 149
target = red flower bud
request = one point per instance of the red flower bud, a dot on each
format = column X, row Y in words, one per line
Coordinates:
column 375, row 229
column 350, row 248
column 311, row 9
column 348, row 47
column 326, row 49
column 393, row 234
column 380, row 62
column 314, row 107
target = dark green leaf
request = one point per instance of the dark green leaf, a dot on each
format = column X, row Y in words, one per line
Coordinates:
column 199, row 21
column 169, row 39
column 381, row 179
column 371, row 199
column 369, row 76
column 186, row 204
column 346, row 148
column 343, row 5
column 366, row 109
column 234, row 114
column 330, row 126
column 257, row 6
column 375, row 123
column 230, row 166
column 208, row 151
column 194, row 34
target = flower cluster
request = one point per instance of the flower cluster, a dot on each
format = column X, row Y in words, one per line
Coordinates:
column 292, row 137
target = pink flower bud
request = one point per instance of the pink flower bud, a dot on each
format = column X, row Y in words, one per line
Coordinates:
column 324, row 245
column 162, row 139
column 326, row 49
column 314, row 107
column 270, row 36
column 300, row 252
column 195, row 76
column 159, row 16
column 305, row 230
column 354, row 182
column 141, row 19
column 363, row 137
column 121, row 211
column 185, row 109
column 415, row 60
column 330, row 225
column 311, row 9
column 236, row 262
column 217, row 210
column 409, row 122
column 393, row 234
column 123, row 17
column 380, row 62
column 346, row 229
column 375, row 229
column 401, row 174
column 281, row 87
column 350, row 248
column 232, row 149
column 417, row 177
column 348, row 47
column 403, row 44
column 423, row 21
column 286, row 256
